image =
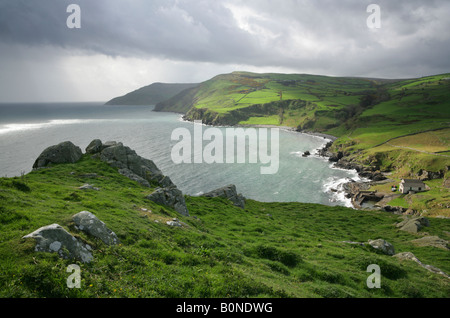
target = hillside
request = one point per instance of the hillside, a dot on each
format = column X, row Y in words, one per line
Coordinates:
column 398, row 127
column 150, row 95
column 218, row 250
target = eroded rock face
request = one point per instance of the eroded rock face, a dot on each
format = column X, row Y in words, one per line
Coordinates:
column 65, row 152
column 55, row 239
column 89, row 223
column 228, row 192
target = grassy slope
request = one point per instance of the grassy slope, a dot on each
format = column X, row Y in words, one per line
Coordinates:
column 151, row 94
column 266, row 250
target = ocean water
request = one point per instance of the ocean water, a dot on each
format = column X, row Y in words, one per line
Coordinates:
column 27, row 129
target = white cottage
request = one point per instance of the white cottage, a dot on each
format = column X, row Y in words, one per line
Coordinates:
column 414, row 185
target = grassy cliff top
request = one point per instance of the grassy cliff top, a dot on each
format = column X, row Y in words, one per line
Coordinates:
column 266, row 250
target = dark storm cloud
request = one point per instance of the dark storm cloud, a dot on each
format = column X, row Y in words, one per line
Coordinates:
column 318, row 36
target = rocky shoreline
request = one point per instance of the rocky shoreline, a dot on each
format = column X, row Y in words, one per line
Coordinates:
column 358, row 191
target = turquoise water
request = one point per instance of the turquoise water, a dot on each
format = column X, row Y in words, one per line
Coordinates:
column 27, row 129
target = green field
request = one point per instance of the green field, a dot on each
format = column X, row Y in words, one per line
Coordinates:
column 267, row 250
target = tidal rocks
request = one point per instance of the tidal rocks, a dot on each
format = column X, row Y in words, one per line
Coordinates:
column 228, row 192
column 55, row 239
column 89, row 223
column 64, row 152
column 171, row 197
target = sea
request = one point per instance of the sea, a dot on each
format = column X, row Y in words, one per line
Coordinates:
column 27, row 129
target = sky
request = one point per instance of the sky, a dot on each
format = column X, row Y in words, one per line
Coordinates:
column 122, row 45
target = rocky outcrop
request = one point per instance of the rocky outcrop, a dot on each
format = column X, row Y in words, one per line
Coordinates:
column 141, row 170
column 228, row 192
column 382, row 246
column 171, row 197
column 425, row 175
column 64, row 152
column 131, row 164
column 434, row 241
column 87, row 222
column 411, row 257
column 55, row 239
column 413, row 225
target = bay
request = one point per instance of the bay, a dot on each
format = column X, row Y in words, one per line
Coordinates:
column 27, row 129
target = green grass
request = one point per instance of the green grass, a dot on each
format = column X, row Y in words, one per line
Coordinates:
column 266, row 250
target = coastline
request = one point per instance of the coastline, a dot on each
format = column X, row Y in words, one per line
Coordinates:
column 341, row 191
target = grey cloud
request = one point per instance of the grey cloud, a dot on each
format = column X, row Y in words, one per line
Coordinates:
column 326, row 35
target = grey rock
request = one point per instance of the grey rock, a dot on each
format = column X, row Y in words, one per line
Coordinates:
column 229, row 192
column 175, row 222
column 65, row 152
column 88, row 187
column 411, row 257
column 413, row 225
column 55, row 239
column 171, row 197
column 94, row 146
column 132, row 165
column 89, row 223
column 434, row 241
column 383, row 246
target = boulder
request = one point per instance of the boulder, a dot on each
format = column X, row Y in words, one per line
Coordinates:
column 306, row 153
column 94, row 146
column 65, row 152
column 90, row 224
column 175, row 222
column 413, row 225
column 171, row 197
column 434, row 241
column 88, row 186
column 383, row 246
column 228, row 192
column 55, row 239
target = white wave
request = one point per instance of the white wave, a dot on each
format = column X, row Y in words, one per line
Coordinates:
column 16, row 127
column 335, row 187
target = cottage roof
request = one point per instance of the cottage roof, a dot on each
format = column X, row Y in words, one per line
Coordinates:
column 413, row 182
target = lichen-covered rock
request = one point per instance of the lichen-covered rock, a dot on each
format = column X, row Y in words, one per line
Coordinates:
column 229, row 192
column 55, row 239
column 383, row 246
column 65, row 152
column 89, row 223
column 171, row 197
